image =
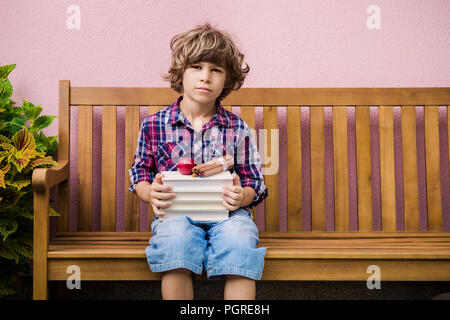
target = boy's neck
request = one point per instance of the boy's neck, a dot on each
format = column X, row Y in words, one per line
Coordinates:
column 193, row 110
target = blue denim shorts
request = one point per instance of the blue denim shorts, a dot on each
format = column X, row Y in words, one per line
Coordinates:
column 225, row 247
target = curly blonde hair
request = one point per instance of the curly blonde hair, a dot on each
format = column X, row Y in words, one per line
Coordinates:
column 205, row 43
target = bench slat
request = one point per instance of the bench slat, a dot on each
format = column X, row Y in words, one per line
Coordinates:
column 434, row 203
column 340, row 143
column 387, row 167
column 109, row 169
column 318, row 207
column 64, row 131
column 355, row 236
column 294, row 169
column 132, row 126
column 248, row 115
column 363, row 168
column 267, row 96
column 280, row 251
column 270, row 165
column 85, row 168
column 410, row 175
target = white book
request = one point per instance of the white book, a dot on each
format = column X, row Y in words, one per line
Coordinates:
column 212, row 216
column 189, row 196
column 200, row 198
column 190, row 183
column 201, row 206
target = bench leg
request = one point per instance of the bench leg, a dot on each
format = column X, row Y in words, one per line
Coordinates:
column 40, row 284
column 40, row 245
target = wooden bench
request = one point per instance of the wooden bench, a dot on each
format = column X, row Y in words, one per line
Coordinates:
column 339, row 220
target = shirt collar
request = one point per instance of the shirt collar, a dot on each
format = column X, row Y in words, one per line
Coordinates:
column 175, row 115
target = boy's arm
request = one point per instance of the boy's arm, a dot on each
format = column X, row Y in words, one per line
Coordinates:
column 144, row 167
column 248, row 168
column 249, row 195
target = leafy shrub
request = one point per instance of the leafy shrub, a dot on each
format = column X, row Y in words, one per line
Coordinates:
column 23, row 147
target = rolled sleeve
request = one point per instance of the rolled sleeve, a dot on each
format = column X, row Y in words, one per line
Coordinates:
column 144, row 168
column 248, row 167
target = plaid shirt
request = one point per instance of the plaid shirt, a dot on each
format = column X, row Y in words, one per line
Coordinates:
column 167, row 136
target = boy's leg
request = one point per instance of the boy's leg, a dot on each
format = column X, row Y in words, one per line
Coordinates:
column 232, row 252
column 239, row 288
column 176, row 249
column 177, row 285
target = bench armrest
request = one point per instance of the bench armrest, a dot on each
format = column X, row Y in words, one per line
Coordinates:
column 46, row 178
column 43, row 180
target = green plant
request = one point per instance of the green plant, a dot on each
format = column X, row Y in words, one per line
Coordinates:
column 23, row 147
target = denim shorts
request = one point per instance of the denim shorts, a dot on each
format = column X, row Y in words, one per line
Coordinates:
column 225, row 247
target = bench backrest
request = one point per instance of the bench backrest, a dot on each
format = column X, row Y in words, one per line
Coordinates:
column 355, row 159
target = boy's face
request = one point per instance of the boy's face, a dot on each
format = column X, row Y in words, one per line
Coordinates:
column 203, row 75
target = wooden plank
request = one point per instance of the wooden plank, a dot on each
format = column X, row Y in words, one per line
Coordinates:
column 272, row 234
column 104, row 269
column 274, row 269
column 410, row 177
column 132, row 123
column 281, row 249
column 271, row 177
column 85, row 168
column 364, row 168
column 387, row 167
column 434, row 203
column 40, row 244
column 108, row 211
column 63, row 189
column 355, row 270
column 294, row 168
column 150, row 213
column 268, row 96
column 317, row 169
column 248, row 115
column 340, row 144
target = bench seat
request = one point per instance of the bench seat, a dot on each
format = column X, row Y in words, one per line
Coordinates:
column 308, row 255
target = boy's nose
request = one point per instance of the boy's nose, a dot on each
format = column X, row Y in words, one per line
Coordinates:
column 205, row 76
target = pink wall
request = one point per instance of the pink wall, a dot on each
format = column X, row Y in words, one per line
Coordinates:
column 298, row 43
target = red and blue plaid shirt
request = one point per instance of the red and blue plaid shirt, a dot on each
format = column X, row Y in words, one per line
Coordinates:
column 166, row 136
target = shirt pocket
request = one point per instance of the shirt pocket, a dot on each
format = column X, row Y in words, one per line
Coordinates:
column 165, row 153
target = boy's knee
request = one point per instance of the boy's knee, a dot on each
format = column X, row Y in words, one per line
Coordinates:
column 240, row 232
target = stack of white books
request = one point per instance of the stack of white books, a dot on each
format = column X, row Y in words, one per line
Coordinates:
column 200, row 198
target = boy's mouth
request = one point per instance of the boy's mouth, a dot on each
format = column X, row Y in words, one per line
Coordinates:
column 204, row 89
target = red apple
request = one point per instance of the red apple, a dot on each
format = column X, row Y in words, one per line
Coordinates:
column 185, row 165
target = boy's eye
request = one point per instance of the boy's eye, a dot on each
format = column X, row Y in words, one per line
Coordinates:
column 214, row 69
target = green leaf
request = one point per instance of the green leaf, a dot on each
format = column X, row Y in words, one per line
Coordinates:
column 42, row 122
column 23, row 246
column 30, row 110
column 5, row 71
column 6, row 251
column 18, row 184
column 7, row 227
column 17, row 123
column 6, row 90
column 10, row 198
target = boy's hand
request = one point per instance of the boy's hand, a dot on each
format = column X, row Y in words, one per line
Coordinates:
column 234, row 195
column 159, row 192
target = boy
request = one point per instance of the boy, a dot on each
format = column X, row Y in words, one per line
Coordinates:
column 206, row 67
